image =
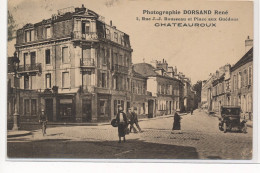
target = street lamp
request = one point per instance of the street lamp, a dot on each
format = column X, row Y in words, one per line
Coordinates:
column 15, row 64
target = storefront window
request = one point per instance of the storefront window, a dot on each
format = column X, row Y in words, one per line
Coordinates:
column 33, row 106
column 103, row 107
column 66, row 109
column 26, row 107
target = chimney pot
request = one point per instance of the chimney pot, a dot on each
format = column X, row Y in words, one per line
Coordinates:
column 111, row 23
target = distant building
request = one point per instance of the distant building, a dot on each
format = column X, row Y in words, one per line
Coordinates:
column 162, row 85
column 232, row 85
column 221, row 88
column 242, row 84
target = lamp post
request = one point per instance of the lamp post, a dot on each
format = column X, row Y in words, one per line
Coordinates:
column 15, row 62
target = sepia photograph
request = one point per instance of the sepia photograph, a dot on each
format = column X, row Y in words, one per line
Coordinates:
column 160, row 80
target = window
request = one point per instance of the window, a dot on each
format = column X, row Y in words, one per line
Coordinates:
column 48, row 32
column 104, row 81
column 116, row 36
column 234, row 82
column 250, row 76
column 87, row 78
column 239, row 81
column 26, row 107
column 65, row 55
column 85, row 27
column 29, row 35
column 48, row 80
column 103, row 57
column 33, row 107
column 47, row 56
column 115, row 83
column 26, row 82
column 118, row 103
column 107, row 33
column 32, row 35
column 103, row 107
column 65, row 80
column 26, row 58
column 33, row 58
column 122, row 40
column 245, row 78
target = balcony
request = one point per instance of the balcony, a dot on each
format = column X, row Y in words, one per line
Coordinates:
column 87, row 62
column 120, row 69
column 30, row 68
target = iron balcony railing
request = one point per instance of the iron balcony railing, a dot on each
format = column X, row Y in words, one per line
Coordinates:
column 87, row 62
column 120, row 68
column 87, row 36
column 30, row 67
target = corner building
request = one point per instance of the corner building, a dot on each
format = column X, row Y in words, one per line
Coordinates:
column 75, row 66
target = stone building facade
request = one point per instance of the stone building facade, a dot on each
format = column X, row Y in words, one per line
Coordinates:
column 232, row 85
column 242, row 84
column 74, row 66
column 162, row 86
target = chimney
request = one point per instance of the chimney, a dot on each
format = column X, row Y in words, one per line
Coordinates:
column 248, row 44
column 111, row 24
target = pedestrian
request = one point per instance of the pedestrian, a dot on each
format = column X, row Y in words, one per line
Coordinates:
column 191, row 112
column 135, row 119
column 122, row 123
column 176, row 123
column 43, row 119
column 130, row 120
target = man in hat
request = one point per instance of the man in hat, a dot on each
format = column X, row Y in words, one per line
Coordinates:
column 130, row 120
column 43, row 120
column 135, row 119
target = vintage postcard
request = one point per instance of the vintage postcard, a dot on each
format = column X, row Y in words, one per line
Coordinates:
column 114, row 79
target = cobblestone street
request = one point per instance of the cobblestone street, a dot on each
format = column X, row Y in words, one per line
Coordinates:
column 200, row 139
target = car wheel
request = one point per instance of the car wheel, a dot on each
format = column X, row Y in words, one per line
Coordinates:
column 244, row 130
column 225, row 127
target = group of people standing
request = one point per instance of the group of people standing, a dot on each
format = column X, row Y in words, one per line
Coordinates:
column 124, row 120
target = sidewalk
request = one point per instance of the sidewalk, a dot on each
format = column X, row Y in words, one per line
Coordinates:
column 19, row 133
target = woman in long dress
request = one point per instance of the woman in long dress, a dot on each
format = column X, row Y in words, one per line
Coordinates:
column 176, row 123
column 122, row 123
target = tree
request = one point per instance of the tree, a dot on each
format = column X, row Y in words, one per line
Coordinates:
column 197, row 88
column 11, row 26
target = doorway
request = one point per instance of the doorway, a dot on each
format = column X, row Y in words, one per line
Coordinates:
column 86, row 109
column 150, row 108
column 49, row 109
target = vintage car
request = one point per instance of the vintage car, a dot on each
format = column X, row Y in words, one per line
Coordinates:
column 230, row 119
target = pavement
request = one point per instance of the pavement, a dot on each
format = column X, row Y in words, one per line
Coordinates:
column 200, row 138
column 16, row 133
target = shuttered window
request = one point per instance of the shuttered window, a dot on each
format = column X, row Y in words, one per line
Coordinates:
column 65, row 80
column 65, row 55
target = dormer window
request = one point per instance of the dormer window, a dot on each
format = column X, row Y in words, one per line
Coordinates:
column 85, row 27
column 116, row 36
column 48, row 32
column 29, row 35
column 107, row 33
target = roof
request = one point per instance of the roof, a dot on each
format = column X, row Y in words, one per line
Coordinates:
column 145, row 69
column 248, row 57
column 138, row 75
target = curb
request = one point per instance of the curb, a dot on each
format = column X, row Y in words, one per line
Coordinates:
column 18, row 135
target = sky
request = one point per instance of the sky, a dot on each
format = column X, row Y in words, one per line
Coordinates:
column 196, row 52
